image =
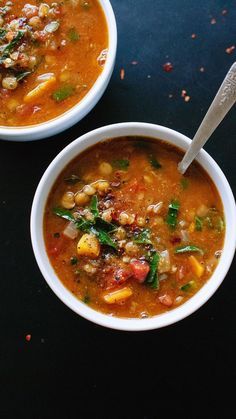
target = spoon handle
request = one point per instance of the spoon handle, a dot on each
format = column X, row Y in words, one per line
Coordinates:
column 224, row 100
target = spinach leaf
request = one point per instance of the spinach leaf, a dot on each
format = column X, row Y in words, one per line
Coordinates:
column 189, row 248
column 198, row 224
column 143, row 237
column 94, row 206
column 121, row 164
column 9, row 47
column 173, row 214
column 152, row 278
column 73, row 35
column 187, row 287
column 2, row 33
column 63, row 93
column 104, row 225
column 86, row 299
column 64, row 214
column 103, row 237
column 22, row 75
column 154, row 162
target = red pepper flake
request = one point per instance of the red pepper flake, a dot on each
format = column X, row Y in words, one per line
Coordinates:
column 134, row 62
column 167, row 67
column 193, row 36
column 187, row 98
column 213, row 21
column 28, row 338
column 224, row 12
column 122, row 74
column 202, row 69
column 183, row 93
column 229, row 50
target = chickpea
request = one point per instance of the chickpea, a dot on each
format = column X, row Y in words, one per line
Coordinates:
column 12, row 104
column 141, row 221
column 120, row 233
column 131, row 248
column 35, row 22
column 68, row 200
column 81, row 198
column 107, row 215
column 102, row 186
column 125, row 218
column 43, row 10
column 105, row 169
column 89, row 190
column 9, row 83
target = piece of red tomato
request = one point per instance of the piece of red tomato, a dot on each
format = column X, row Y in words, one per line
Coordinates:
column 140, row 269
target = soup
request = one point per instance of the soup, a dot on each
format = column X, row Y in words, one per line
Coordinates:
column 50, row 56
column 127, row 234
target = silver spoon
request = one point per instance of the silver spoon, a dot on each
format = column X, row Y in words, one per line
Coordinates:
column 224, row 100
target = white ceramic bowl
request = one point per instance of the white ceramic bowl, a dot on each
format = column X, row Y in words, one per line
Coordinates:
column 75, row 114
column 44, row 187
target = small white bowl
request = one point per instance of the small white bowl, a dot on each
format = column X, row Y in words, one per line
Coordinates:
column 41, row 195
column 79, row 111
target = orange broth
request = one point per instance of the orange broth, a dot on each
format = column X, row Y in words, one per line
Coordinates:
column 168, row 228
column 62, row 48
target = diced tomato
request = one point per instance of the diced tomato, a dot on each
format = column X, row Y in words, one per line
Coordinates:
column 166, row 300
column 140, row 269
column 117, row 277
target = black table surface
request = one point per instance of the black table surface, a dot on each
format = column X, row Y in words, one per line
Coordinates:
column 72, row 368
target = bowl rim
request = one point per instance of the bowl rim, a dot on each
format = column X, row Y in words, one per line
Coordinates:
column 84, row 106
column 44, row 187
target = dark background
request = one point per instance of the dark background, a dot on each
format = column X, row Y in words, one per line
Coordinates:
column 72, row 368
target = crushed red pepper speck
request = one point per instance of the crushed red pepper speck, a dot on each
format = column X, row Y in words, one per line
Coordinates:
column 229, row 50
column 193, row 36
column 183, row 93
column 122, row 74
column 28, row 338
column 213, row 21
column 167, row 67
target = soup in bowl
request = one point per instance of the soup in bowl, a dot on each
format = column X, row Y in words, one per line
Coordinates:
column 56, row 59
column 124, row 239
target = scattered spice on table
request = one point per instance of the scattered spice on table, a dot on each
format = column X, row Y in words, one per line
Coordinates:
column 187, row 98
column 193, row 36
column 122, row 74
column 229, row 50
column 28, row 338
column 224, row 12
column 183, row 93
column 170, row 96
column 134, row 62
column 167, row 67
column 213, row 21
column 149, row 76
column 202, row 69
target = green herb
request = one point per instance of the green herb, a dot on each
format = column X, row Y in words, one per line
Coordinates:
column 86, row 299
column 220, row 224
column 189, row 248
column 121, row 164
column 154, row 162
column 143, row 237
column 7, row 50
column 94, row 206
column 96, row 227
column 198, row 224
column 2, row 33
column 104, row 225
column 73, row 260
column 77, row 271
column 22, row 75
column 184, row 183
column 152, row 278
column 173, row 214
column 63, row 93
column 187, row 287
column 56, row 235
column 72, row 180
column 73, row 35
column 64, row 214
